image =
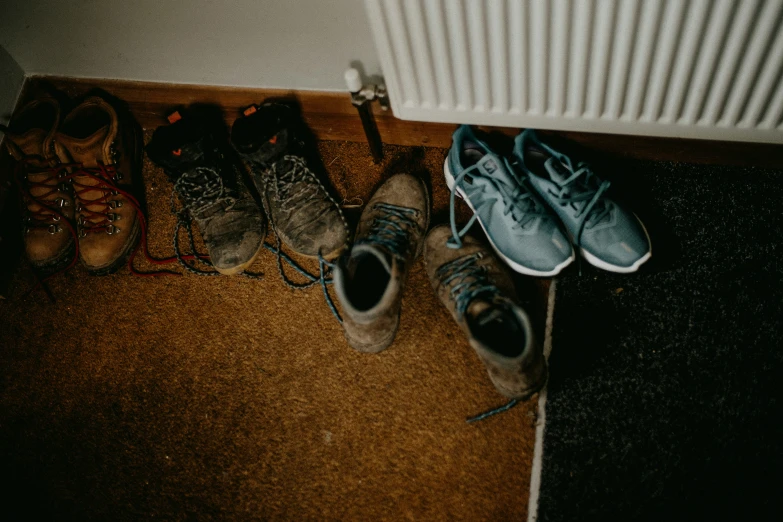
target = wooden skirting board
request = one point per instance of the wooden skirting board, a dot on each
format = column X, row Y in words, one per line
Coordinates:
column 332, row 117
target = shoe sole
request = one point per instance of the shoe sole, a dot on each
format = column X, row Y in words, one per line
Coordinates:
column 115, row 265
column 532, row 390
column 244, row 266
column 331, row 256
column 59, row 262
column 603, row 265
column 510, row 262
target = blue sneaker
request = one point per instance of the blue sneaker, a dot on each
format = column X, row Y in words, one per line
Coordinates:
column 518, row 225
column 608, row 236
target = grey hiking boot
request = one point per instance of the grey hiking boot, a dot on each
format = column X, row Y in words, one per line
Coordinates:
column 476, row 287
column 210, row 186
column 270, row 139
column 369, row 279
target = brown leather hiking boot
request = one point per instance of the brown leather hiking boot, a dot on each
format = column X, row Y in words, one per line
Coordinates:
column 49, row 242
column 369, row 279
column 109, row 147
column 476, row 287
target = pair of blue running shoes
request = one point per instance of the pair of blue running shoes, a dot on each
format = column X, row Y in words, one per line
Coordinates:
column 538, row 206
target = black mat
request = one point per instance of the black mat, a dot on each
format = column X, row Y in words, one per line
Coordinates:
column 666, row 386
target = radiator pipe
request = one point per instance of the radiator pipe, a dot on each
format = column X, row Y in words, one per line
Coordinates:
column 361, row 98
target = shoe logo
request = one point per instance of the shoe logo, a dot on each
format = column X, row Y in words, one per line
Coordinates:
column 490, row 166
column 81, row 150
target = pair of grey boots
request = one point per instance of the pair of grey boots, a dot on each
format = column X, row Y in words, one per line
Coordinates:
column 471, row 282
column 270, row 140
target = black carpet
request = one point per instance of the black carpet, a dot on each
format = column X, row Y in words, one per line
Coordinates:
column 666, row 386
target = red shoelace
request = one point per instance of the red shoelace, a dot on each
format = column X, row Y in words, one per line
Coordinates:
column 91, row 220
column 42, row 212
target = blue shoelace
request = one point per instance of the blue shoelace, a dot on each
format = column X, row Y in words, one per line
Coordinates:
column 591, row 194
column 184, row 220
column 391, row 229
column 469, row 281
column 324, row 267
column 519, row 202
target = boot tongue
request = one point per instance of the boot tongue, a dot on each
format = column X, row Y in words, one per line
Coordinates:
column 557, row 171
column 31, row 143
column 90, row 150
column 178, row 147
column 479, row 308
column 386, row 259
column 484, row 310
column 493, row 166
column 262, row 140
column 185, row 156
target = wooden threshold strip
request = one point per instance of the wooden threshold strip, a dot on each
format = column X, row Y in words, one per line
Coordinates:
column 332, row 117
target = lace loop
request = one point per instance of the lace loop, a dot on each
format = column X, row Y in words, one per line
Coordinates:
column 203, row 189
column 467, row 280
column 517, row 201
column 295, row 185
column 41, row 209
column 587, row 200
column 297, row 188
column 94, row 212
column 391, row 229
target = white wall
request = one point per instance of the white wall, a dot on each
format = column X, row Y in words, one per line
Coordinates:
column 11, row 79
column 297, row 44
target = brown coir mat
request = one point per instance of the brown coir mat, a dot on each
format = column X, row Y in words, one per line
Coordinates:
column 226, row 398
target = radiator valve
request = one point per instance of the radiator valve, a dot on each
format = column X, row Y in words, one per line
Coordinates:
column 361, row 98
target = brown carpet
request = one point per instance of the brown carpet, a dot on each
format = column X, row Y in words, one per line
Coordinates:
column 236, row 399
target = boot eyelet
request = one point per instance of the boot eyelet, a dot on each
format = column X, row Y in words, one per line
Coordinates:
column 55, row 218
column 115, row 203
column 53, row 229
column 113, row 217
column 111, row 230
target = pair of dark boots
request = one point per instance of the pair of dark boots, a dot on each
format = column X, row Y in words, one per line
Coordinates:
column 471, row 282
column 205, row 167
column 80, row 176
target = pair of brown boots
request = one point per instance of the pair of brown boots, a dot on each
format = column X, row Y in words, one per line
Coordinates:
column 79, row 176
column 471, row 282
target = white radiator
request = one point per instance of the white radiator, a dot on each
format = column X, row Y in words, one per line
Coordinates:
column 709, row 69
